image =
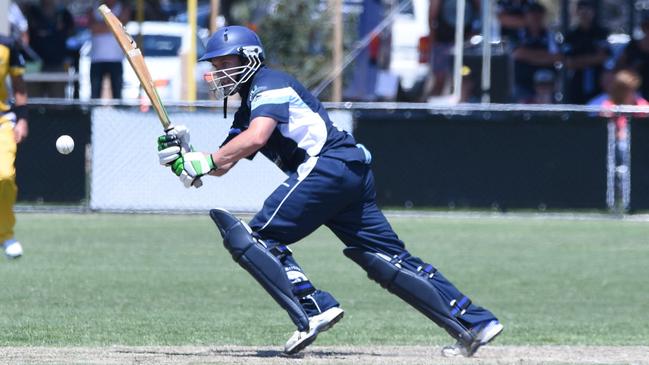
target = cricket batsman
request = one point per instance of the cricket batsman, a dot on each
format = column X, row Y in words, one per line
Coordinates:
column 329, row 183
column 13, row 130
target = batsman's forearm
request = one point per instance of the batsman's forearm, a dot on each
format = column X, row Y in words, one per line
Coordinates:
column 240, row 147
column 222, row 170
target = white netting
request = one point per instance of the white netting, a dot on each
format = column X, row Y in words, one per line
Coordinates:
column 126, row 175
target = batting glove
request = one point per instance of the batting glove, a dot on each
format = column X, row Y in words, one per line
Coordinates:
column 190, row 166
column 172, row 144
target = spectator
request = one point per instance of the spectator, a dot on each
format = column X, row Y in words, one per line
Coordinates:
column 535, row 49
column 441, row 37
column 511, row 15
column 544, row 87
column 50, row 27
column 624, row 91
column 636, row 55
column 106, row 55
column 585, row 50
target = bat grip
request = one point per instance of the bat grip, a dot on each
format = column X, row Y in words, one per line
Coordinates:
column 197, row 183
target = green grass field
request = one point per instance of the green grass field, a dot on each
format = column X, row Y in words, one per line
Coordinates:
column 103, row 279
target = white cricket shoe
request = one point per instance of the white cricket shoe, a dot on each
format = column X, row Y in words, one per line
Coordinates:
column 317, row 324
column 13, row 249
column 485, row 335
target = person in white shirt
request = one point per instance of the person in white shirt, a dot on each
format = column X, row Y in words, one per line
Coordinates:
column 106, row 55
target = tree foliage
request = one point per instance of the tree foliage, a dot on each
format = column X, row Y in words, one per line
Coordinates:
column 296, row 36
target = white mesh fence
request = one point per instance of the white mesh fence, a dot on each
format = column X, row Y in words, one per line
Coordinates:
column 126, row 176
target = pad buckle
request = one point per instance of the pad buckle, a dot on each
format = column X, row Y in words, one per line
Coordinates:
column 427, row 270
column 459, row 307
column 397, row 259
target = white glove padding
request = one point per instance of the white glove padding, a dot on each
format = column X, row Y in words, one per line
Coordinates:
column 189, row 181
column 174, row 143
column 191, row 166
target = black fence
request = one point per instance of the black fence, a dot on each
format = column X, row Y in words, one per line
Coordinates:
column 640, row 164
column 42, row 174
column 468, row 159
column 486, row 159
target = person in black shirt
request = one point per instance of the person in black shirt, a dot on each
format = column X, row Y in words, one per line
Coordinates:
column 511, row 15
column 536, row 49
column 585, row 50
column 636, row 55
column 441, row 37
column 50, row 26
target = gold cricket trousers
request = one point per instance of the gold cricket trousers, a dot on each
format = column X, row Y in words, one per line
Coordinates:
column 8, row 189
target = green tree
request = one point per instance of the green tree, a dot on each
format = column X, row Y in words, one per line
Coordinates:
column 297, row 39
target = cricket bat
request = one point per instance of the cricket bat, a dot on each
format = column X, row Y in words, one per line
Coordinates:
column 136, row 59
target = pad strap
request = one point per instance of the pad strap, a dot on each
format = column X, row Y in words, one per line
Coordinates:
column 458, row 307
column 281, row 251
column 427, row 270
column 303, row 288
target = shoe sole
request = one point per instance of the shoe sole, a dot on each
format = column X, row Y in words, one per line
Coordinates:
column 489, row 340
column 454, row 352
column 300, row 346
column 309, row 340
column 493, row 336
column 331, row 323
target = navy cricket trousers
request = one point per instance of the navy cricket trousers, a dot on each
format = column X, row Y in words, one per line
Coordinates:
column 340, row 195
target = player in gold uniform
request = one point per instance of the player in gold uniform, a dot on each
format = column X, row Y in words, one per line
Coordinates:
column 13, row 130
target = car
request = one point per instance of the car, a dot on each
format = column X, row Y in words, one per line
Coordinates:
column 165, row 46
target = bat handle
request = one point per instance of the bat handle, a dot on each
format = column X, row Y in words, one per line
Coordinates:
column 183, row 149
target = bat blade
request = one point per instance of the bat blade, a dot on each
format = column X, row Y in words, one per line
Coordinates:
column 136, row 59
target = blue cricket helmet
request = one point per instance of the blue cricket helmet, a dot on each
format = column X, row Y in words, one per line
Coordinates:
column 231, row 40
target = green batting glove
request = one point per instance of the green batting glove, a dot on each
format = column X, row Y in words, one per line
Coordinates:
column 194, row 165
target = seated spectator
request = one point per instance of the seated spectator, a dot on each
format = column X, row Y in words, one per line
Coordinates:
column 511, row 15
column 624, row 91
column 636, row 55
column 441, row 37
column 585, row 50
column 50, row 25
column 535, row 49
column 544, row 88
